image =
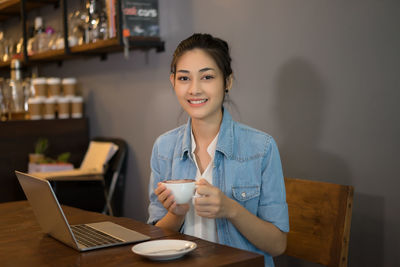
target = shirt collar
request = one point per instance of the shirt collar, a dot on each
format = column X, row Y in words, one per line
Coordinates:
column 224, row 141
column 211, row 147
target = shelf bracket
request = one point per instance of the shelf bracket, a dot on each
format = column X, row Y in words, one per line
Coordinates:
column 57, row 4
column 103, row 56
column 65, row 27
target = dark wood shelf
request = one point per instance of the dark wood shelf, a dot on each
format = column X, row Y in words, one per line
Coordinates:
column 4, row 64
column 97, row 48
column 12, row 8
column 9, row 9
column 50, row 55
column 112, row 45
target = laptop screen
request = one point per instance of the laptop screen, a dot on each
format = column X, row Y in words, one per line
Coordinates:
column 46, row 208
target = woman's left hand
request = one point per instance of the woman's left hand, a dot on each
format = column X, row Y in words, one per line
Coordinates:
column 212, row 203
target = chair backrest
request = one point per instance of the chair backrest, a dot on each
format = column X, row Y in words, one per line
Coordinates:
column 117, row 161
column 320, row 219
column 114, row 177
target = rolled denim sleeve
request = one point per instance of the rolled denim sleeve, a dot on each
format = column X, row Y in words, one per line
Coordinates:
column 156, row 209
column 273, row 207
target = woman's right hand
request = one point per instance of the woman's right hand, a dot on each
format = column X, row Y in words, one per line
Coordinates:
column 167, row 200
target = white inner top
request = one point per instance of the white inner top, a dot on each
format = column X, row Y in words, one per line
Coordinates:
column 195, row 225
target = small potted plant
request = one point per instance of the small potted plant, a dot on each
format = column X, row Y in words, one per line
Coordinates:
column 41, row 146
column 63, row 157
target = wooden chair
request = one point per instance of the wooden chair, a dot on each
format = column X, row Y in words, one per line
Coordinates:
column 320, row 219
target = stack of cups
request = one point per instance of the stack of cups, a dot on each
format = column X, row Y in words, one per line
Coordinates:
column 35, row 105
column 49, row 100
column 53, row 92
column 68, row 103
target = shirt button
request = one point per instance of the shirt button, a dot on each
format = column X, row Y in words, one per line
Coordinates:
column 243, row 194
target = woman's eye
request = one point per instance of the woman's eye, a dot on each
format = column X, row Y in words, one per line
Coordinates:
column 183, row 78
column 208, row 77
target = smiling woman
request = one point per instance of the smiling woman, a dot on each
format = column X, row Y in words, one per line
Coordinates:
column 199, row 86
column 240, row 198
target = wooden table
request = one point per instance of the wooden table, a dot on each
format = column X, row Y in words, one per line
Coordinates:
column 22, row 243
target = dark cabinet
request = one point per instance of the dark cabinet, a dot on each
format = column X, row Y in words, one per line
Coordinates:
column 17, row 139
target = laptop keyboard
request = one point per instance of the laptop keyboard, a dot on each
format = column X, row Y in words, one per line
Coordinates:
column 91, row 237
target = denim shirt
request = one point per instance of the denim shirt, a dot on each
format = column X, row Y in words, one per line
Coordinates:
column 246, row 168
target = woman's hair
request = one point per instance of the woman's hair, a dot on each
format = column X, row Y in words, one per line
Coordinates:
column 217, row 48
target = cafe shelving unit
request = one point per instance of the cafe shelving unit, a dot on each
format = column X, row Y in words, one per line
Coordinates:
column 20, row 8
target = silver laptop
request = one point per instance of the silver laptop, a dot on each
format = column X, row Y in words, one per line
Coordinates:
column 52, row 220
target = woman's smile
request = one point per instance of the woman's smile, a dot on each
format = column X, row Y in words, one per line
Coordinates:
column 197, row 102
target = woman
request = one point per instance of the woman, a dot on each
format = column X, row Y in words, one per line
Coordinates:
column 241, row 193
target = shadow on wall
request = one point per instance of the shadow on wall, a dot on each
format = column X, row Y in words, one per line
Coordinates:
column 367, row 233
column 134, row 194
column 90, row 110
column 301, row 99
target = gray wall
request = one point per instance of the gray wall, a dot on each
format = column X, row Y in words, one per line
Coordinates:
column 322, row 77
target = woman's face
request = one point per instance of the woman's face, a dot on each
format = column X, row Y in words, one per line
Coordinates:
column 199, row 85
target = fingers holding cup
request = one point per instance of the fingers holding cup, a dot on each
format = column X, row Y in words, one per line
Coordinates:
column 182, row 190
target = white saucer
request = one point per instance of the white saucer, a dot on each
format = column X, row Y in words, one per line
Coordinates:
column 146, row 248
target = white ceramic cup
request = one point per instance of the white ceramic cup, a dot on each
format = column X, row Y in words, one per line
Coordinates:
column 183, row 190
